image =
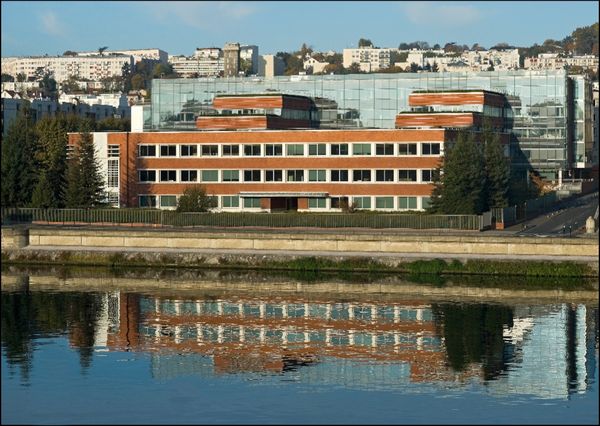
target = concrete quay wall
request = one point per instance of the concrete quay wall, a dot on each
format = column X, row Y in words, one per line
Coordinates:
column 17, row 238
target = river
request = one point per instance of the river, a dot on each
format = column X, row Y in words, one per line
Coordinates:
column 85, row 346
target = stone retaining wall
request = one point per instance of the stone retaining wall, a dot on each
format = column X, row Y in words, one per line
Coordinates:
column 15, row 238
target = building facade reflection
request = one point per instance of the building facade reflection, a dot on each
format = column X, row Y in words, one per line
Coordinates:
column 547, row 351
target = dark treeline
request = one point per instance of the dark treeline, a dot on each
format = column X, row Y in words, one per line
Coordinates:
column 37, row 171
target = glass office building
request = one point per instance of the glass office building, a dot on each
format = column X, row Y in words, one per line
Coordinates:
column 549, row 115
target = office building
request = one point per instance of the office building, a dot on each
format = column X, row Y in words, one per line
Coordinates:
column 551, row 125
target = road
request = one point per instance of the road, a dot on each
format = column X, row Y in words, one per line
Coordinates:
column 566, row 220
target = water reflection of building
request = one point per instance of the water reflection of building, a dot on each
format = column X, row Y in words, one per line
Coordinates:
column 553, row 353
column 549, row 351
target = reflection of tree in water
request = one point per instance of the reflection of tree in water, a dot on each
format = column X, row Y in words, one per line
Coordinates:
column 27, row 316
column 473, row 334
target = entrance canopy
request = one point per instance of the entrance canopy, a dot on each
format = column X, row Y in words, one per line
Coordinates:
column 284, row 194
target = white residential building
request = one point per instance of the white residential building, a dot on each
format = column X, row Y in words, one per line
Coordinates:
column 369, row 58
column 93, row 68
column 197, row 66
column 250, row 53
column 314, row 65
column 116, row 100
column 152, row 54
column 205, row 53
column 270, row 66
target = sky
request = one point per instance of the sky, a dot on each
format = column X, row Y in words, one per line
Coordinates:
column 179, row 27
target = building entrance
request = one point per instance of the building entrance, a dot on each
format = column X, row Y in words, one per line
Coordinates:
column 284, row 203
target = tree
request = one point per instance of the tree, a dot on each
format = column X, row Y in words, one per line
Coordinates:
column 460, row 189
column 70, row 85
column 354, row 68
column 435, row 67
column 51, row 155
column 73, row 194
column 69, row 53
column 491, row 67
column 21, row 77
column 194, row 199
column 42, row 198
column 497, row 169
column 7, row 78
column 414, row 67
column 84, row 184
column 92, row 183
column 365, row 42
column 138, row 82
column 101, row 50
column 18, row 165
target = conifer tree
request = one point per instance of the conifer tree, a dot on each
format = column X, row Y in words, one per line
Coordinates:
column 73, row 195
column 497, row 170
column 460, row 189
column 43, row 193
column 51, row 155
column 92, row 184
column 18, row 165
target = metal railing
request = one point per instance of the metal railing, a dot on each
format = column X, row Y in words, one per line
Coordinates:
column 150, row 217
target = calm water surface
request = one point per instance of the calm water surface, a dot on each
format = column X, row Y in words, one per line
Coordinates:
column 75, row 354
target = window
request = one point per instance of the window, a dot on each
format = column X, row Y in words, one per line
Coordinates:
column 168, row 201
column 147, row 200
column 189, row 151
column 273, row 150
column 384, row 175
column 362, row 202
column 168, row 175
column 295, row 149
column 407, row 203
column 338, row 202
column 430, row 149
column 210, row 175
column 317, row 149
column 295, row 176
column 361, row 175
column 113, row 151
column 210, row 150
column 361, row 149
column 252, row 202
column 339, row 175
column 231, row 175
column 407, row 149
column 189, row 175
column 231, row 150
column 384, row 202
column 252, row 150
column 317, row 176
column 407, row 175
column 230, row 201
column 339, row 149
column 147, row 175
column 427, row 175
column 168, row 150
column 384, row 149
column 147, row 150
column 317, row 203
column 273, row 176
column 251, row 175
column 112, row 175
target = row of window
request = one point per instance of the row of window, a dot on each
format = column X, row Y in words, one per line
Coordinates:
column 298, row 175
column 235, row 201
column 277, row 150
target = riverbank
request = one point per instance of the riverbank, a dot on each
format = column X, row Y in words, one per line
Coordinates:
column 219, row 284
column 437, row 253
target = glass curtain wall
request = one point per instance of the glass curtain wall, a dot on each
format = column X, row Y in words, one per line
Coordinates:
column 538, row 104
